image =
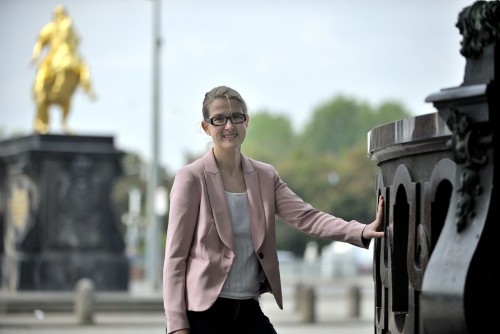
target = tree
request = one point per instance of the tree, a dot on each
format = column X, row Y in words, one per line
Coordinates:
column 269, row 137
column 343, row 122
column 337, row 124
column 389, row 111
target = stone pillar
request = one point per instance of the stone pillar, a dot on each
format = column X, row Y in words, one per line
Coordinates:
column 59, row 221
column 354, row 301
column 84, row 302
column 307, row 300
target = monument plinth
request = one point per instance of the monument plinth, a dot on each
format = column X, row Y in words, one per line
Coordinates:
column 59, row 224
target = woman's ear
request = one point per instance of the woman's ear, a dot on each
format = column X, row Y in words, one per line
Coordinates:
column 204, row 126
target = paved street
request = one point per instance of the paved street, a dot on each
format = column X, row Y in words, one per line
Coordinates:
column 329, row 320
column 331, row 316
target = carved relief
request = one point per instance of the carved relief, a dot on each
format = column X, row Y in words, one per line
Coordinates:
column 78, row 196
column 417, row 209
column 469, row 143
column 479, row 24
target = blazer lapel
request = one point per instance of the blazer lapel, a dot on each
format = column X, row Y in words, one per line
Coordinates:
column 255, row 204
column 217, row 200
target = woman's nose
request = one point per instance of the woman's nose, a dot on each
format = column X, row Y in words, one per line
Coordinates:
column 229, row 123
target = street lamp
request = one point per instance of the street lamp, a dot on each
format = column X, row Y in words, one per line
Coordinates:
column 152, row 237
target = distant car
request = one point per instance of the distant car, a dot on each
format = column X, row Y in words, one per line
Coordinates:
column 340, row 260
column 289, row 263
column 285, row 256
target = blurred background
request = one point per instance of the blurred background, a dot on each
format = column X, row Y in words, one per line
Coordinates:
column 317, row 75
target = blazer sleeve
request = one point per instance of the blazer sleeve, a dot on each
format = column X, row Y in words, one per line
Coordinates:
column 303, row 216
column 184, row 206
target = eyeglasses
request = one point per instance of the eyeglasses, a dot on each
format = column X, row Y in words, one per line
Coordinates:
column 220, row 120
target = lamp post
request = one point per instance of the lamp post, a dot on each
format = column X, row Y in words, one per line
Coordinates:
column 152, row 237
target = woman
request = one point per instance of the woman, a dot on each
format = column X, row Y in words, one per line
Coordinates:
column 221, row 240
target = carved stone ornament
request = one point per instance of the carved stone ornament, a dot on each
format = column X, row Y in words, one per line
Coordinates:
column 469, row 143
column 479, row 24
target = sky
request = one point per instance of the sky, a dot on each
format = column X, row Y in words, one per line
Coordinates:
column 284, row 56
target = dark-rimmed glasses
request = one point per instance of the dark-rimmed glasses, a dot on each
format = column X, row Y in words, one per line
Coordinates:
column 220, row 120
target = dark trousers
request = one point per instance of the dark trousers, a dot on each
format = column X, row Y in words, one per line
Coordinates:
column 231, row 316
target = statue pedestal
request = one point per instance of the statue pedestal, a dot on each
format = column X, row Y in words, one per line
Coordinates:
column 58, row 219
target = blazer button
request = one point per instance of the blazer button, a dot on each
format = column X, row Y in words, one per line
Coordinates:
column 261, row 255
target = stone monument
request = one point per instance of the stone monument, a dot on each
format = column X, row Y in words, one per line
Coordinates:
column 437, row 269
column 57, row 220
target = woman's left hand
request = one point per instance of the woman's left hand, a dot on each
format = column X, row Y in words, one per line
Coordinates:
column 373, row 230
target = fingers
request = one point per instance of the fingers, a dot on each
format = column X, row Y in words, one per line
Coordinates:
column 379, row 219
column 380, row 204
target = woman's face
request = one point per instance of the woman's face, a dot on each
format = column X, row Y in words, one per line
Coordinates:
column 229, row 135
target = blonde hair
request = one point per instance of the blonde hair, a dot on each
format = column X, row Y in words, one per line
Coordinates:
column 222, row 92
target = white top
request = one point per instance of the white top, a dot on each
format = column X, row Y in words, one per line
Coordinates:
column 243, row 279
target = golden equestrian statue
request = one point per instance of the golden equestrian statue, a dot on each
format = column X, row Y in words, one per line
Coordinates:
column 60, row 72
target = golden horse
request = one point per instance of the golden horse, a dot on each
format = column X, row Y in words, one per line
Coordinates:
column 60, row 72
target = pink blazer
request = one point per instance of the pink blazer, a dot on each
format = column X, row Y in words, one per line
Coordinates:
column 200, row 246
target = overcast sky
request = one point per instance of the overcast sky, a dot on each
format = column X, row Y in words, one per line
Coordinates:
column 284, row 56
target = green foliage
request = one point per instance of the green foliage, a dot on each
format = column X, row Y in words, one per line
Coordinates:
column 389, row 111
column 343, row 122
column 335, row 125
column 269, row 137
